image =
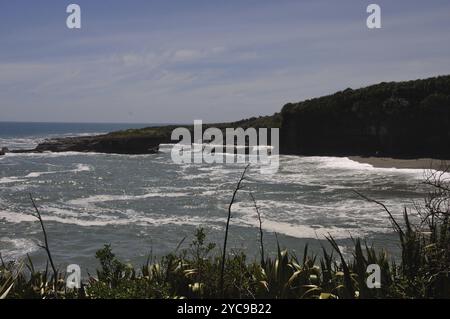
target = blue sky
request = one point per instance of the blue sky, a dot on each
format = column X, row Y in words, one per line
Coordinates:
column 175, row 61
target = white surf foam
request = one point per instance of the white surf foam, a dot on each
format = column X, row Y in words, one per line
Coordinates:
column 112, row 198
column 67, row 216
column 345, row 163
column 14, row 248
column 13, row 179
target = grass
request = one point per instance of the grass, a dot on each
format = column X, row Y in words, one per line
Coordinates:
column 201, row 271
column 272, row 121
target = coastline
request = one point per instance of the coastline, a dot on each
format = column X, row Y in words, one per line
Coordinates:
column 387, row 162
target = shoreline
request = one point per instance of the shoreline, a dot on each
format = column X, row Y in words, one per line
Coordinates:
column 387, row 162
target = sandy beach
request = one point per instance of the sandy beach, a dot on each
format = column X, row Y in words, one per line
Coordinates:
column 386, row 162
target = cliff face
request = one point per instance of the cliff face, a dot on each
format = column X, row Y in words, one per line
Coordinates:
column 404, row 119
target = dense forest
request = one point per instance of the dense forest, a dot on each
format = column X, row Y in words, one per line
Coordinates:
column 398, row 119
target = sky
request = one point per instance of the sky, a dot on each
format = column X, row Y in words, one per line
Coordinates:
column 174, row 61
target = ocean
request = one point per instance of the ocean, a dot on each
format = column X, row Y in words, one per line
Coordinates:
column 146, row 205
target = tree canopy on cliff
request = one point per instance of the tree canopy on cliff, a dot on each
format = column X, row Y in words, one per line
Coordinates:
column 393, row 119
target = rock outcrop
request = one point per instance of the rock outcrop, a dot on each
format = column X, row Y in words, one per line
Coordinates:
column 133, row 141
column 100, row 144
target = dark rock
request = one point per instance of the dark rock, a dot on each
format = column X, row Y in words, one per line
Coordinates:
column 100, row 144
column 3, row 151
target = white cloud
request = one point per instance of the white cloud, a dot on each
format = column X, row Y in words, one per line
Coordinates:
column 224, row 72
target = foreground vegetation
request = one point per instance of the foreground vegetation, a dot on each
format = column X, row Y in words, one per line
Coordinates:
column 423, row 270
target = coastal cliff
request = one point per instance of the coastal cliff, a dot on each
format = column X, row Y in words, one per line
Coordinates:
column 396, row 119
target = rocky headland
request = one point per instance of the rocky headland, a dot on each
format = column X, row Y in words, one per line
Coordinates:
column 396, row 119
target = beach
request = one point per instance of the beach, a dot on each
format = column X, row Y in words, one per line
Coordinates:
column 419, row 163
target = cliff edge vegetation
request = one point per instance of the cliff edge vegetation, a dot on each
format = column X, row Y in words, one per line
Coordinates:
column 395, row 119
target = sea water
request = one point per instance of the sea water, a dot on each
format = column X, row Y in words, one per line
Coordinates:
column 147, row 205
